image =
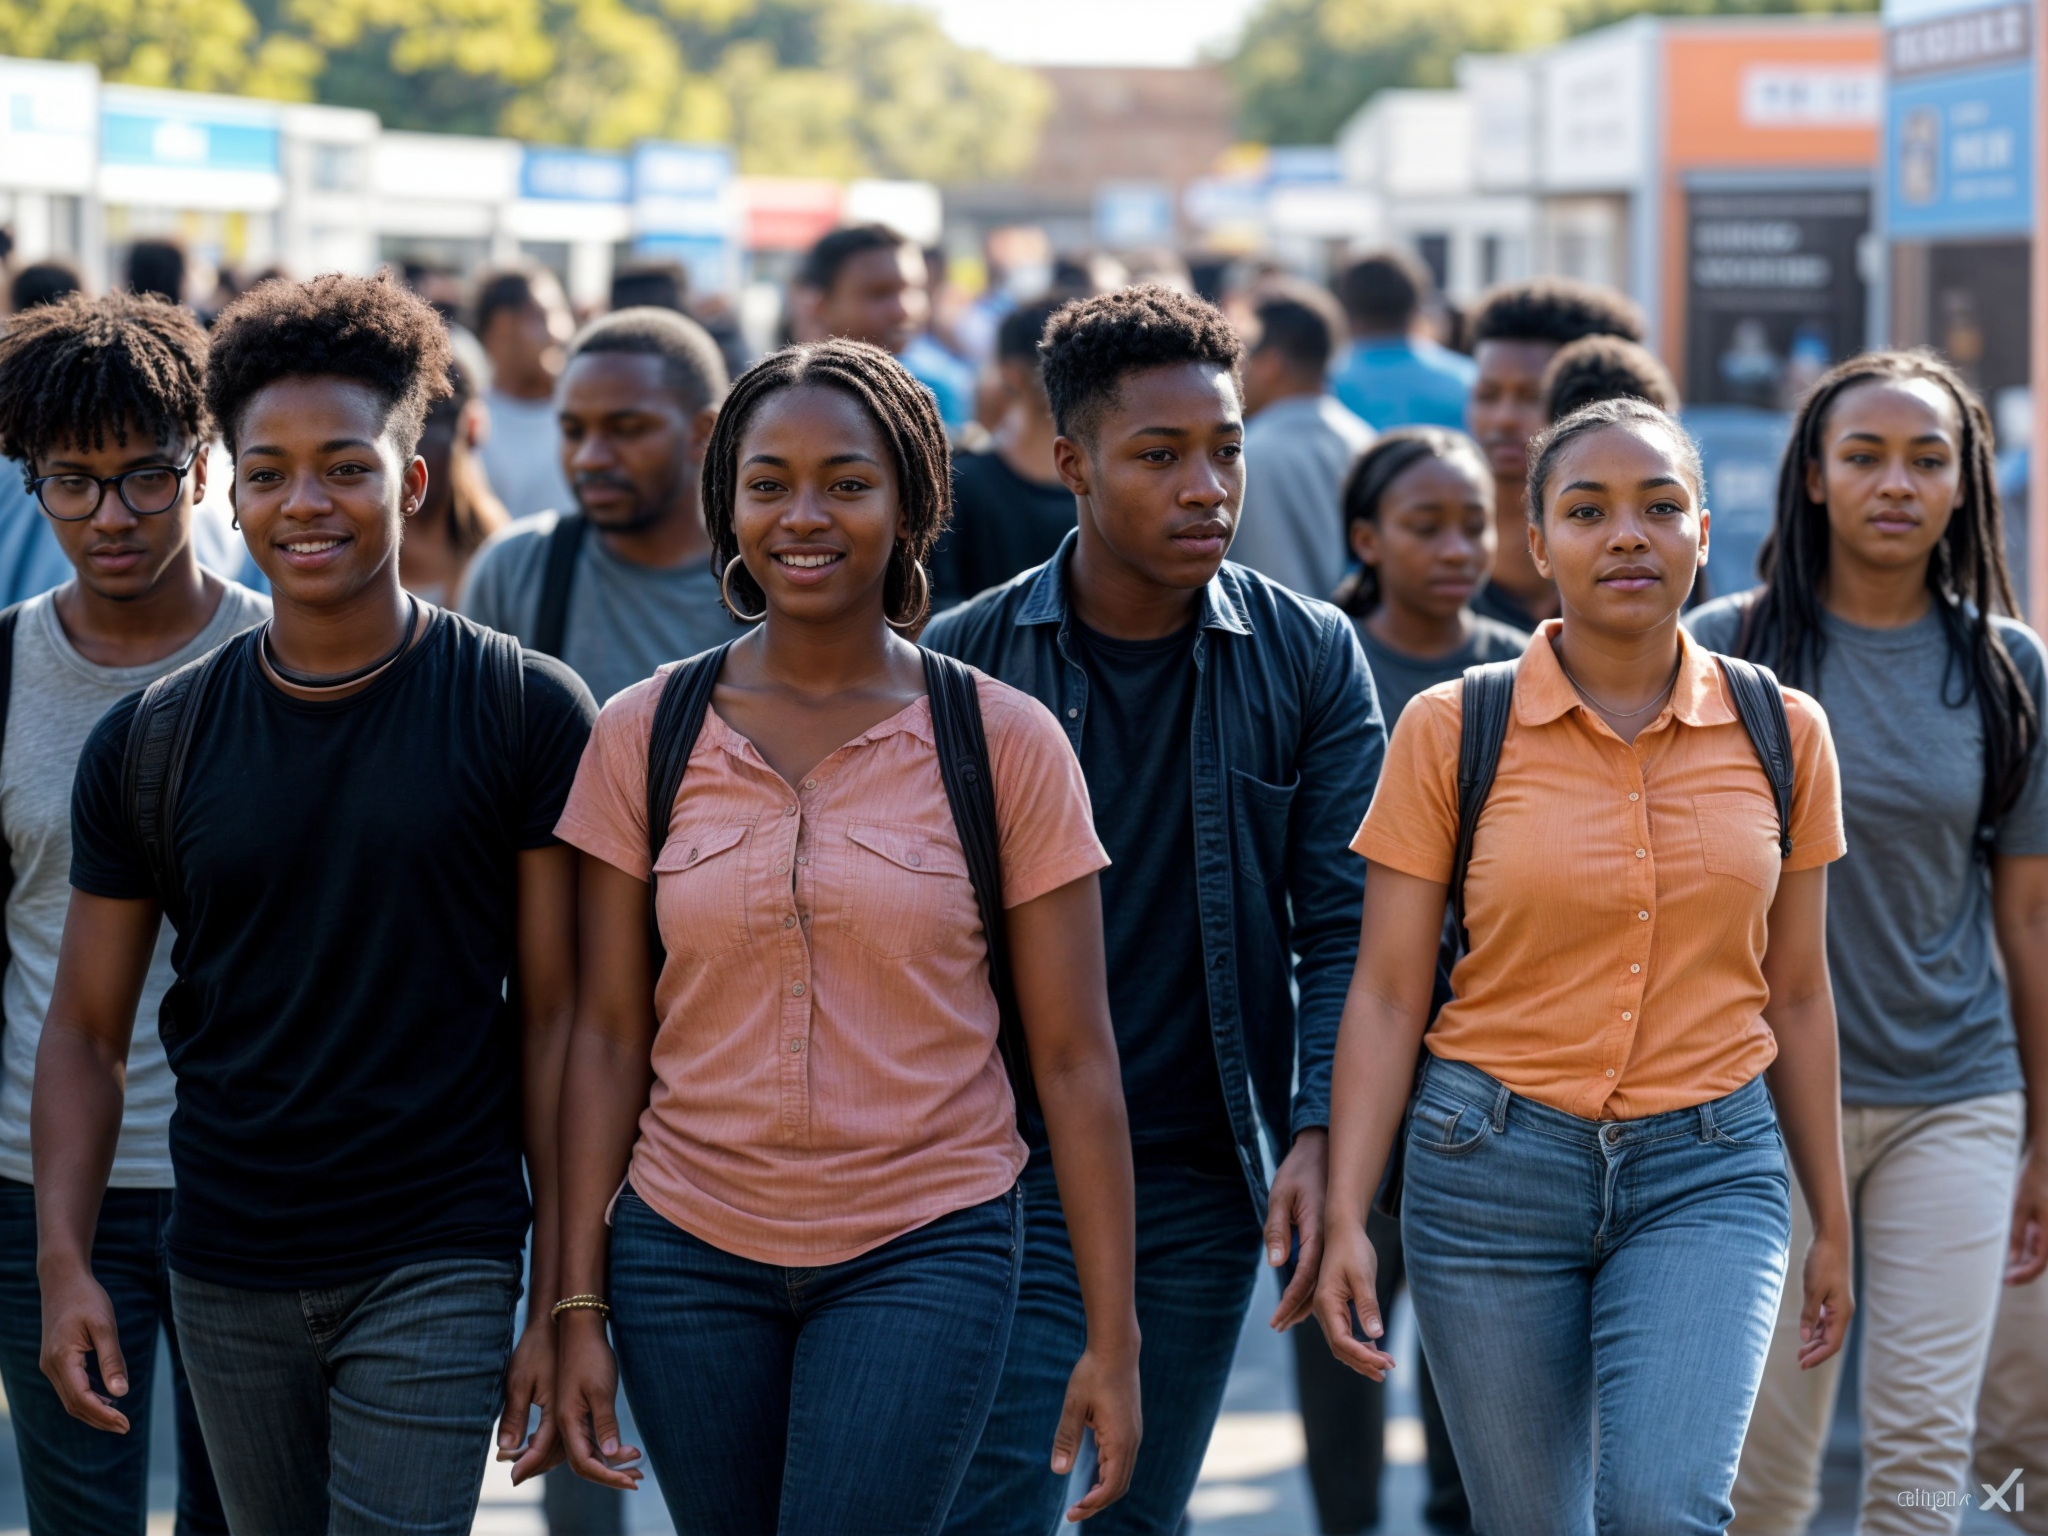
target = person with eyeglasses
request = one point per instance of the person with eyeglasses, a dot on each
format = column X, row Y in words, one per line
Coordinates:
column 101, row 402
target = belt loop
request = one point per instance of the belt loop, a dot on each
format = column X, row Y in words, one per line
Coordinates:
column 1500, row 1111
column 1707, row 1121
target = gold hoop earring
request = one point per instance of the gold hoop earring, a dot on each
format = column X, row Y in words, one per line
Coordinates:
column 924, row 601
column 725, row 596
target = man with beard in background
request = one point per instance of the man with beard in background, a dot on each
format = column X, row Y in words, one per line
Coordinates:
column 623, row 583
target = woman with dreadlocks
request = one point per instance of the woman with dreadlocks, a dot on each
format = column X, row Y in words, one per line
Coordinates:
column 789, row 1102
column 1885, row 593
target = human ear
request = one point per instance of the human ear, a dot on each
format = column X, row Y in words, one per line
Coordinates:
column 1816, row 482
column 413, row 487
column 1365, row 541
column 1706, row 523
column 1539, row 551
column 1070, row 459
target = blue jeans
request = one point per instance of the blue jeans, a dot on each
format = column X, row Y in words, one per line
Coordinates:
column 1569, row 1272
column 1198, row 1259
column 77, row 1478
column 352, row 1410
column 844, row 1398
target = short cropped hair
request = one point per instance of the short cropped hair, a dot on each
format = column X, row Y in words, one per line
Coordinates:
column 1384, row 291
column 691, row 364
column 659, row 284
column 1017, row 338
column 1091, row 344
column 369, row 330
column 1605, row 368
column 1302, row 323
column 510, row 288
column 43, row 282
column 158, row 267
column 823, row 263
column 80, row 371
column 1555, row 309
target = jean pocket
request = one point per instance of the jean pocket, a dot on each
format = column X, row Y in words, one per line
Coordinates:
column 1447, row 1127
column 1748, row 1128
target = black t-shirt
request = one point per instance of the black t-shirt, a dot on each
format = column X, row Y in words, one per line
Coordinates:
column 1002, row 526
column 1135, row 754
column 347, row 1060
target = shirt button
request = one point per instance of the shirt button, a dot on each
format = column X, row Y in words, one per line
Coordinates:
column 1635, row 970
column 797, row 990
column 1626, row 1017
column 1642, row 917
column 810, row 783
column 781, row 866
column 1073, row 713
column 803, row 858
column 796, row 1047
column 1610, row 1073
column 789, row 810
column 1642, row 853
column 693, row 855
column 789, row 920
column 914, row 861
column 1632, row 798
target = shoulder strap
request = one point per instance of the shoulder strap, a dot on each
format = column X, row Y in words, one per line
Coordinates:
column 551, row 618
column 971, row 792
column 8, row 616
column 153, row 768
column 1489, row 695
column 1761, row 707
column 505, row 659
column 678, row 721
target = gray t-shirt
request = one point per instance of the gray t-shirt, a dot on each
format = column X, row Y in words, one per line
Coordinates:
column 57, row 698
column 523, row 455
column 624, row 620
column 1398, row 677
column 1297, row 452
column 1922, row 1004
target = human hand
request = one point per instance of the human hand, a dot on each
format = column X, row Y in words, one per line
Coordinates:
column 1296, row 1207
column 587, row 1388
column 1347, row 1288
column 78, row 1320
column 2027, row 1254
column 530, row 1383
column 1824, row 1319
column 1102, row 1395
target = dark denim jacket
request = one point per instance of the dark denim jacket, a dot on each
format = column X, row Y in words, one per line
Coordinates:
column 1287, row 741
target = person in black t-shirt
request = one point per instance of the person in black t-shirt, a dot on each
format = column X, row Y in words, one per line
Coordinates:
column 1010, row 510
column 375, row 973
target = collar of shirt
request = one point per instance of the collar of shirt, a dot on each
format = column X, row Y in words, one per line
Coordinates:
column 1543, row 693
column 1047, row 601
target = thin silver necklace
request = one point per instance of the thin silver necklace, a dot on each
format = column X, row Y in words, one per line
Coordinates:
column 1622, row 714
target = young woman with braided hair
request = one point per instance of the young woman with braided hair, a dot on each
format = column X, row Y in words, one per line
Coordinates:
column 795, row 1117
column 1886, row 595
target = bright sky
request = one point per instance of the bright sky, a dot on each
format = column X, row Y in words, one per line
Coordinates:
column 1092, row 31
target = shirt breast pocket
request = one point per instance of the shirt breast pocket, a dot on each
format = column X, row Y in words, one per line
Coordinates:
column 905, row 890
column 700, row 892
column 1739, row 837
column 1261, row 813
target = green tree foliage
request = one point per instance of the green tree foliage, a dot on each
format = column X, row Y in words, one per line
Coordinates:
column 1303, row 66
column 801, row 87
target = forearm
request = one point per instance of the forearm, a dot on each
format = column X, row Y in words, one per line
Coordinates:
column 546, row 1056
column 1806, row 1086
column 2022, row 909
column 1369, row 1095
column 74, row 1126
column 603, row 1091
column 1085, row 1121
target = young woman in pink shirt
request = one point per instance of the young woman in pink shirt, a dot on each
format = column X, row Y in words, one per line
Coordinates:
column 796, row 1118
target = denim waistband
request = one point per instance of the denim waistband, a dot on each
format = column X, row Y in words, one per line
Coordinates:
column 1502, row 1104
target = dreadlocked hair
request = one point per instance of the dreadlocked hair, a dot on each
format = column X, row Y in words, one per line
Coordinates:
column 1966, row 573
column 903, row 412
column 78, row 371
column 1390, row 457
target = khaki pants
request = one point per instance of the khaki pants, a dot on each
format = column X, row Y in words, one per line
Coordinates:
column 2012, row 1410
column 1931, row 1189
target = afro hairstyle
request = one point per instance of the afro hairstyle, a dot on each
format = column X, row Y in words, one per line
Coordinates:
column 80, row 371
column 1605, row 368
column 1555, row 309
column 372, row 331
column 1090, row 345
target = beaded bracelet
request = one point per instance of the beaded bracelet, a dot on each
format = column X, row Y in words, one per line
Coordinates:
column 582, row 1303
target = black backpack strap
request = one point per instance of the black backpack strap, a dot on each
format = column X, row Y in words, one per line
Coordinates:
column 505, row 661
column 971, row 792
column 1488, row 697
column 678, row 721
column 8, row 616
column 153, row 767
column 1761, row 706
column 551, row 618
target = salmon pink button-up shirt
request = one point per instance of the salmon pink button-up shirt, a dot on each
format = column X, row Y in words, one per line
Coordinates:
column 826, row 1070
column 1619, row 895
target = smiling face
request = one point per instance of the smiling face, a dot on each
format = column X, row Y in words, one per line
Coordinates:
column 631, row 448
column 1434, row 540
column 1160, row 477
column 817, row 511
column 1623, row 532
column 1890, row 471
column 1505, row 409
column 322, row 489
column 117, row 553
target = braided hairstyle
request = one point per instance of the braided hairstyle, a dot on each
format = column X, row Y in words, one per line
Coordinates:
column 1966, row 572
column 903, row 412
column 78, row 371
column 1390, row 457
